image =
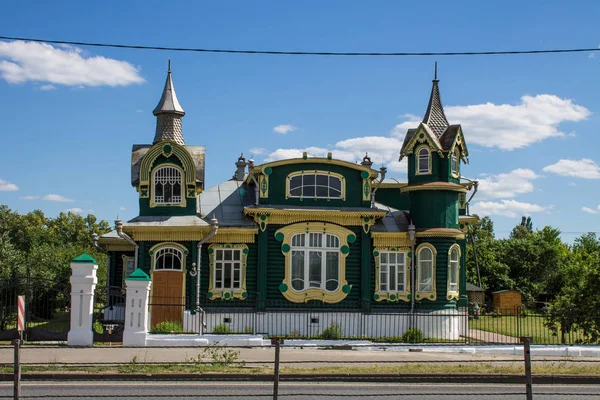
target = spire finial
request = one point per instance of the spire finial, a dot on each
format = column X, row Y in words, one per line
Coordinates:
column 435, row 72
column 169, row 71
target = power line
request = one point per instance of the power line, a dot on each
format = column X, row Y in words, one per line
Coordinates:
column 305, row 53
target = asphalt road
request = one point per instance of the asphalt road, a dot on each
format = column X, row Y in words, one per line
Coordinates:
column 292, row 391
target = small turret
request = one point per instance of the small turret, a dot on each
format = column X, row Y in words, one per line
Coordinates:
column 434, row 117
column 240, row 173
column 168, row 114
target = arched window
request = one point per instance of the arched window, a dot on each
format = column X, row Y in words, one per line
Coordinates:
column 167, row 185
column 315, row 262
column 316, row 184
column 453, row 271
column 424, row 161
column 168, row 258
column 425, row 271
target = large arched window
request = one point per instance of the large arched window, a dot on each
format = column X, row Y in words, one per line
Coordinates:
column 315, row 261
column 425, row 285
column 453, row 271
column 168, row 258
column 315, row 184
column 167, row 185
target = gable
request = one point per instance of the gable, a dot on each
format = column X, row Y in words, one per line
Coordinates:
column 419, row 136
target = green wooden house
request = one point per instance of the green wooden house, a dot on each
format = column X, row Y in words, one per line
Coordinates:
column 292, row 246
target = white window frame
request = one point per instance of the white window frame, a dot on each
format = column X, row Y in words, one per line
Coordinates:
column 127, row 260
column 220, row 265
column 388, row 269
column 306, row 243
column 426, row 292
column 453, row 276
column 421, row 156
column 165, row 251
column 315, row 186
column 455, row 165
column 174, row 176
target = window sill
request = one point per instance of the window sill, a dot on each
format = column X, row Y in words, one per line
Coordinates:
column 391, row 296
column 227, row 294
column 315, row 294
column 426, row 296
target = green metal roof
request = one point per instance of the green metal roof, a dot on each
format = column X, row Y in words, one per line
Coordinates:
column 84, row 258
column 138, row 275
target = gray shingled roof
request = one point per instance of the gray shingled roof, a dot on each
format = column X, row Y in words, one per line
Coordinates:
column 434, row 116
column 394, row 220
column 226, row 202
column 156, row 220
column 168, row 102
column 139, row 150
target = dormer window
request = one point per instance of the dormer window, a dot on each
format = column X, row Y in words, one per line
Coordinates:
column 455, row 165
column 423, row 161
column 167, row 185
column 315, row 184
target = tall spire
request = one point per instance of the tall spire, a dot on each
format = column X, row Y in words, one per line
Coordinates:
column 168, row 114
column 434, row 116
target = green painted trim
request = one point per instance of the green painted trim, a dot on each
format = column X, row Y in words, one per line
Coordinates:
column 138, row 275
column 365, row 270
column 84, row 258
column 261, row 269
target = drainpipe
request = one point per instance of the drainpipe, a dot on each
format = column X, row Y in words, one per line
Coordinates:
column 119, row 228
column 382, row 172
column 214, row 227
column 411, row 236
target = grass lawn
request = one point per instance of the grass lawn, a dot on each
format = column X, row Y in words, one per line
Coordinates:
column 533, row 325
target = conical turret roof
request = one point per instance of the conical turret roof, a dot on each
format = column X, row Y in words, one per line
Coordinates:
column 168, row 103
column 434, row 116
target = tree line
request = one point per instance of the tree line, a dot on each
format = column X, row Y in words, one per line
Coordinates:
column 564, row 277
column 43, row 247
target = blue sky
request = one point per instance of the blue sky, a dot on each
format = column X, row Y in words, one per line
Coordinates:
column 70, row 114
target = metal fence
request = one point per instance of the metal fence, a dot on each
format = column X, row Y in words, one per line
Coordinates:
column 280, row 367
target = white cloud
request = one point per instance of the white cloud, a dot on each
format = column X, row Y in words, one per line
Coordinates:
column 382, row 150
column 506, row 208
column 6, row 186
column 47, row 87
column 56, row 197
column 257, row 151
column 63, row 65
column 584, row 168
column 506, row 185
column 591, row 210
column 412, row 122
column 122, row 208
column 30, row 197
column 75, row 210
column 283, row 129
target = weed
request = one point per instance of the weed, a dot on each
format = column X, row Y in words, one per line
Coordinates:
column 221, row 329
column 332, row 332
column 413, row 335
column 168, row 327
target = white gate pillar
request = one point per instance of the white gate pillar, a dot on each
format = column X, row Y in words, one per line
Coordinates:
column 136, row 308
column 83, row 283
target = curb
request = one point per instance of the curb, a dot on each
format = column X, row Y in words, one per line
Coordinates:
column 406, row 378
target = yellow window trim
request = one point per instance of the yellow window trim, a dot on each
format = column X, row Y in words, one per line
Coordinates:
column 380, row 295
column 315, row 172
column 183, row 187
column 432, row 296
column 429, row 161
column 227, row 294
column 453, row 295
column 284, row 235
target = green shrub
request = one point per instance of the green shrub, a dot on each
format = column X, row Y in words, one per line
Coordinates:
column 98, row 327
column 413, row 335
column 332, row 332
column 221, row 329
column 167, row 327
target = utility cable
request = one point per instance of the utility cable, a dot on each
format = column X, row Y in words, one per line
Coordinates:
column 304, row 53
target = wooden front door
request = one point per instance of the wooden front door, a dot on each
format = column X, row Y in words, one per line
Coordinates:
column 168, row 301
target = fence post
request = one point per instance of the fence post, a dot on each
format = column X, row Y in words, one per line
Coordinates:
column 527, row 355
column 276, row 371
column 136, row 309
column 17, row 370
column 83, row 283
